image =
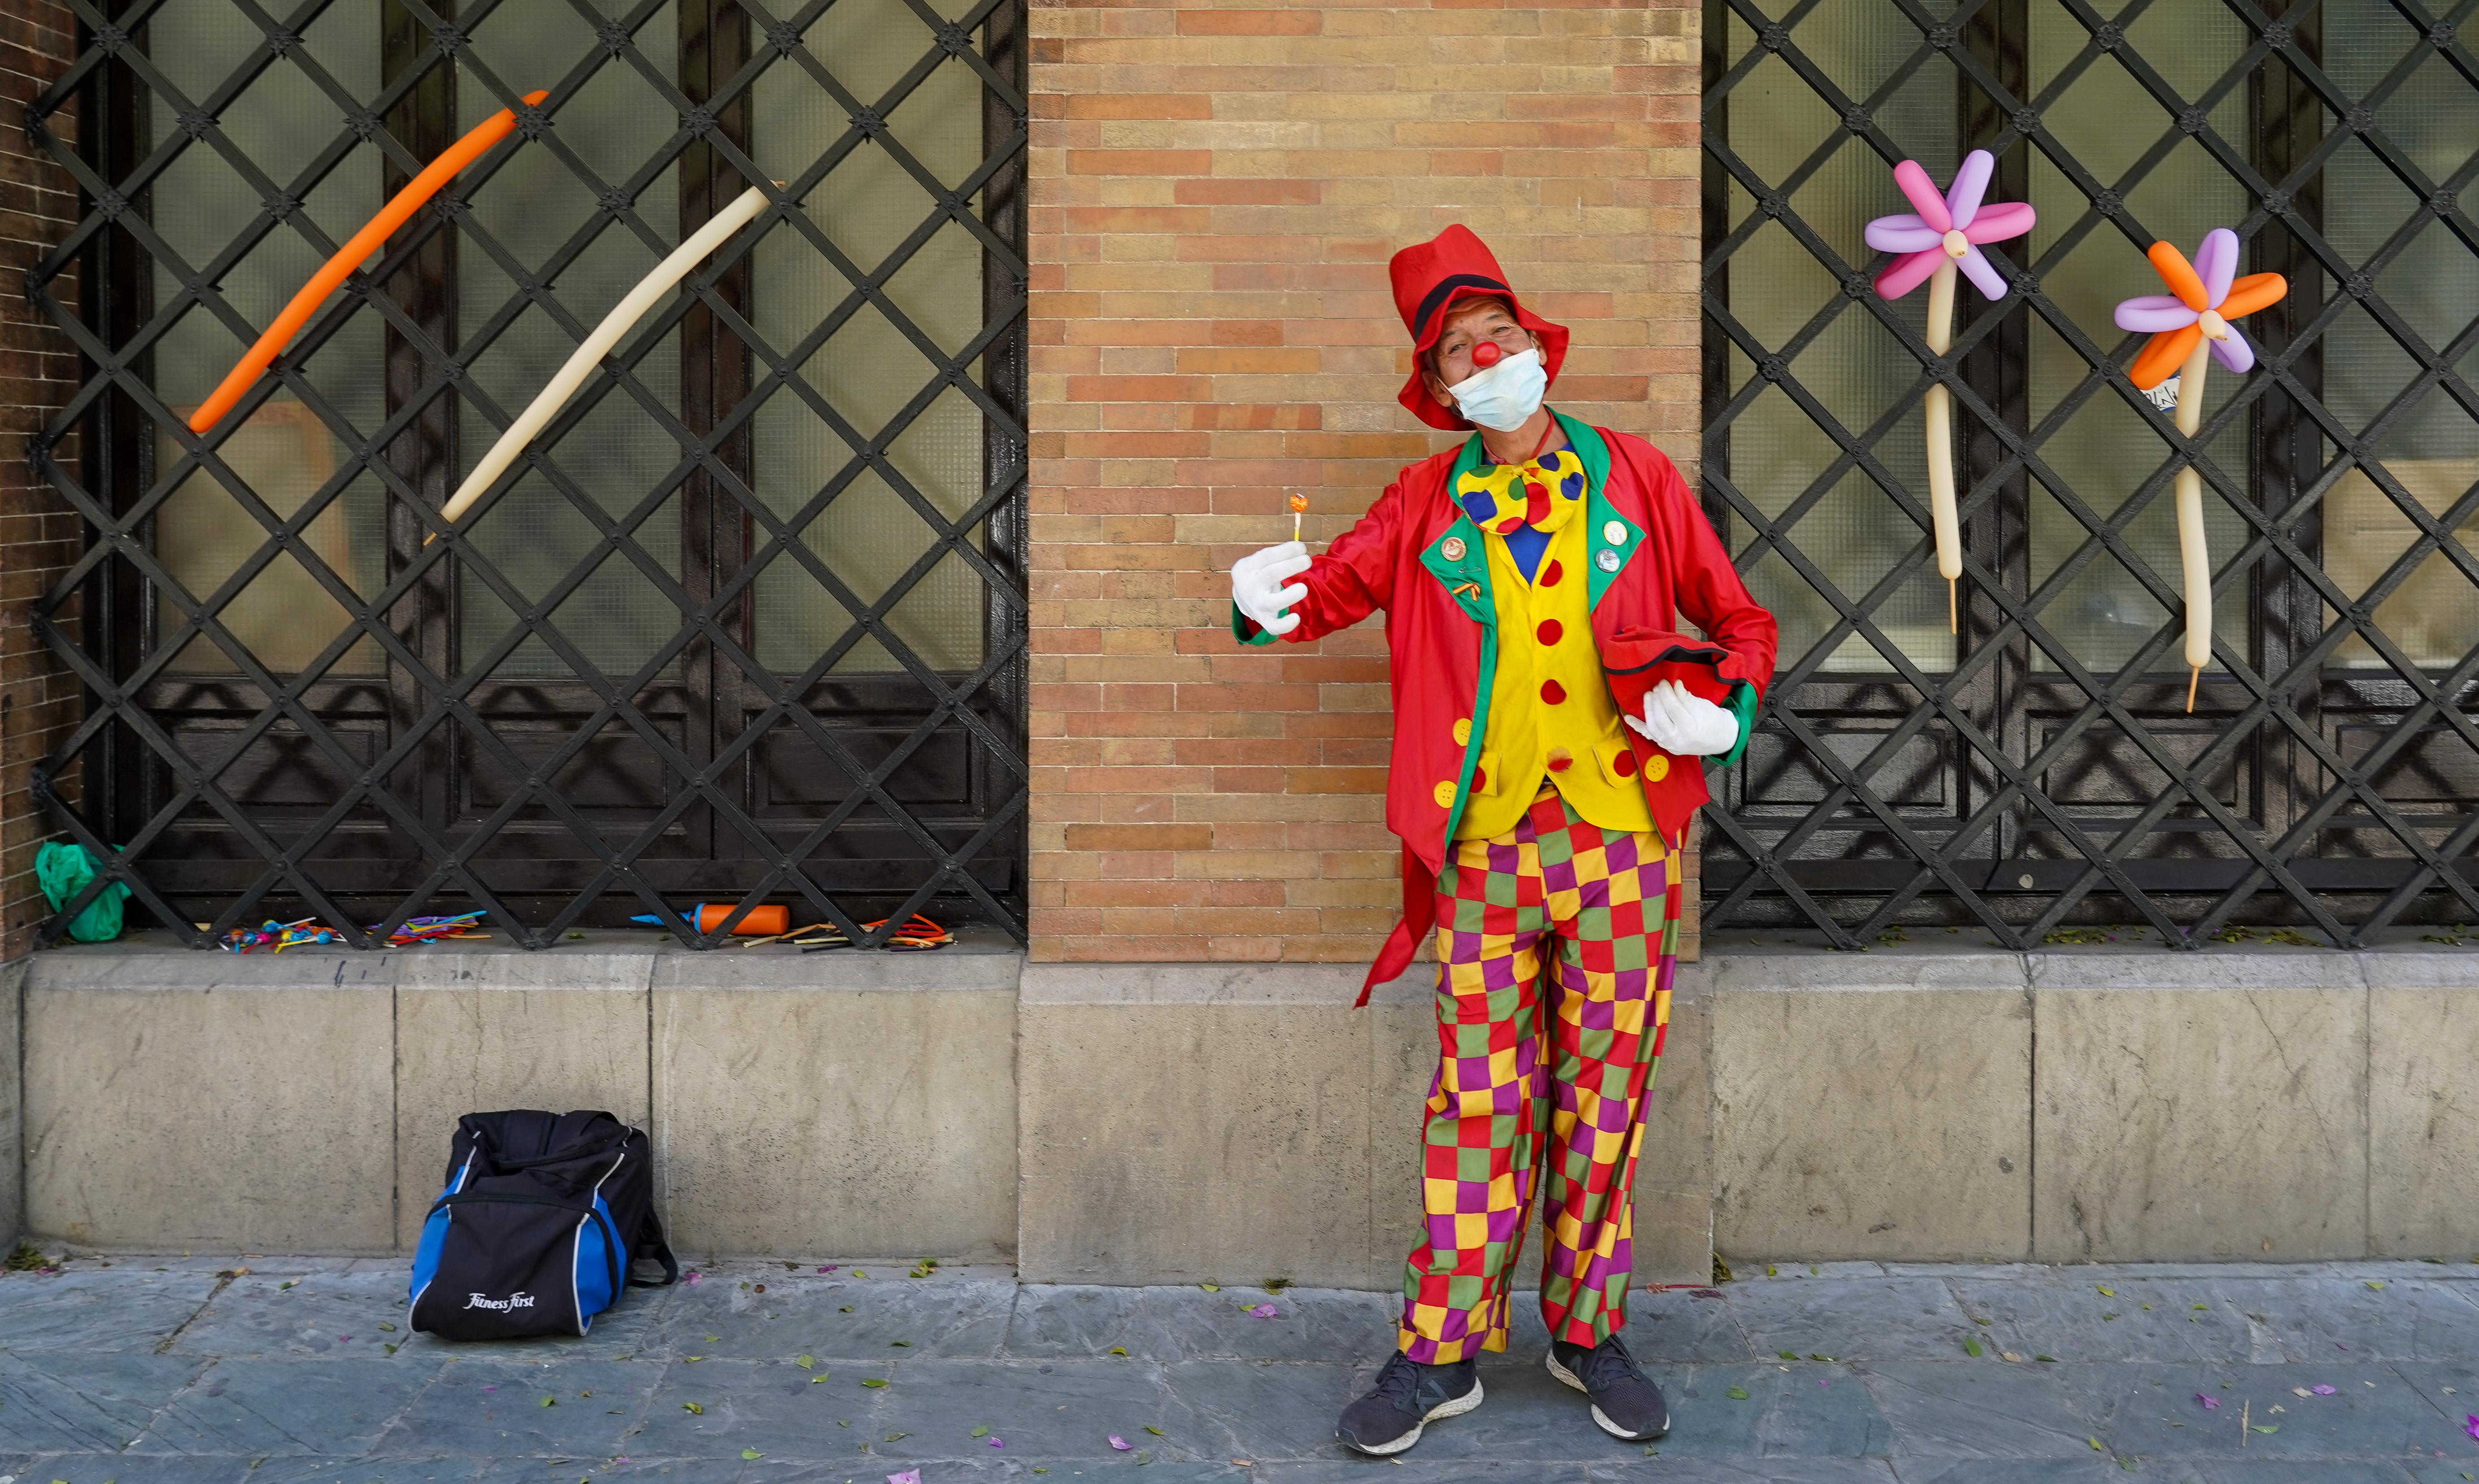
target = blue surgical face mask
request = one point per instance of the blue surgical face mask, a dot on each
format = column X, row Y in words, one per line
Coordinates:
column 1505, row 396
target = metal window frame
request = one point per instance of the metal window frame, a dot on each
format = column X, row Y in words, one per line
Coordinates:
column 113, row 423
column 1853, row 864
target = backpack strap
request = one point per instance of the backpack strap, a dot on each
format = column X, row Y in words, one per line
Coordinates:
column 651, row 1247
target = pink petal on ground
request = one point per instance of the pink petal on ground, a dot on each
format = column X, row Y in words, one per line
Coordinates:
column 2211, row 1404
column 998, row 1442
column 1266, row 1312
column 2470, row 1425
column 907, row 1477
column 1922, row 194
column 829, row 1267
column 1119, row 1442
column 2321, row 1391
column 2339, row 1345
column 1970, row 184
column 490, row 1387
column 696, row 1278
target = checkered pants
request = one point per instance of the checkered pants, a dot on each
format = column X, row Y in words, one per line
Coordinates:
column 1554, row 953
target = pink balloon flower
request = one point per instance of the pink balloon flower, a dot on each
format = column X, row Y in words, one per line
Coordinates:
column 1948, row 226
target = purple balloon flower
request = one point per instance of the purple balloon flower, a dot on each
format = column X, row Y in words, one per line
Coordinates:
column 2207, row 296
column 1946, row 227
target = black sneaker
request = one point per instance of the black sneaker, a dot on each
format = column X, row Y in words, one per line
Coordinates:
column 1408, row 1397
column 1625, row 1403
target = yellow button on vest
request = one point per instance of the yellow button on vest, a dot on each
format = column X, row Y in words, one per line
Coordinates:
column 1463, row 732
column 1614, row 533
column 1656, row 768
column 1445, row 794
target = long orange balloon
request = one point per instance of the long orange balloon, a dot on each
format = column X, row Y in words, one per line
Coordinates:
column 352, row 255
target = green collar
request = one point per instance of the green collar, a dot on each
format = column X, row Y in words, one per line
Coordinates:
column 1606, row 531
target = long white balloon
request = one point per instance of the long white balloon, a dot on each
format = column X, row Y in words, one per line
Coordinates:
column 589, row 355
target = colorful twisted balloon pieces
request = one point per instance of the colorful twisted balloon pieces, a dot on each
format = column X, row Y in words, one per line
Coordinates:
column 1942, row 235
column 398, row 210
column 2193, row 319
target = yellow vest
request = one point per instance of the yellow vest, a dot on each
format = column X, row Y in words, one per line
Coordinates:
column 1550, row 716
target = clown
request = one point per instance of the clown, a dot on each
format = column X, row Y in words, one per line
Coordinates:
column 1552, row 732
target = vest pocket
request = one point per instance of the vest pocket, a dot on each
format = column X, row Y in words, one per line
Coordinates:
column 1618, row 761
column 1484, row 784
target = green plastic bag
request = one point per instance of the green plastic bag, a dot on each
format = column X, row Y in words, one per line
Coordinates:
column 62, row 872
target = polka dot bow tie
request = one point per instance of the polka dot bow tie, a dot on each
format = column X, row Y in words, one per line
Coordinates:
column 1543, row 493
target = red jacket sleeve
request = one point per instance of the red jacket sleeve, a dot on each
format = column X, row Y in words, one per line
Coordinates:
column 1706, row 586
column 1353, row 577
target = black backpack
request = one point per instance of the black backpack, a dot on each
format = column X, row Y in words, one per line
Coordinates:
column 542, row 1220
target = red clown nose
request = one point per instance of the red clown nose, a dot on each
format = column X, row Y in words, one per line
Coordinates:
column 1486, row 354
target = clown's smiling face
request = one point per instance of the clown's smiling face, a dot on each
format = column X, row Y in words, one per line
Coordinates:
column 1471, row 321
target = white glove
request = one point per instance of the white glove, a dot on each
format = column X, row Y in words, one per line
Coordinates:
column 1257, row 585
column 1683, row 724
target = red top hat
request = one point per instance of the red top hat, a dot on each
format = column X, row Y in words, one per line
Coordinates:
column 1427, row 278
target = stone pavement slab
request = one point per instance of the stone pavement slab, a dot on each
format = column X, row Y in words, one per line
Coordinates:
column 294, row 1371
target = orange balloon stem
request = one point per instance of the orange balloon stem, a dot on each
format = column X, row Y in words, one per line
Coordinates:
column 352, row 255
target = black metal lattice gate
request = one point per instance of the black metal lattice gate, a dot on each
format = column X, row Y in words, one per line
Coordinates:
column 2038, row 769
column 747, row 622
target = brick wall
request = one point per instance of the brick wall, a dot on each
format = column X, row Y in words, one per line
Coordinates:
column 1217, row 191
column 37, row 369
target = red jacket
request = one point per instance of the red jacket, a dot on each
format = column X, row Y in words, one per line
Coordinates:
column 1652, row 557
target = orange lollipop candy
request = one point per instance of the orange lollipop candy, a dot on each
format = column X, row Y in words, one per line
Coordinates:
column 1299, row 502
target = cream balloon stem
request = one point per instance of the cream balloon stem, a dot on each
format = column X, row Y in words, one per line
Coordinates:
column 589, row 355
column 1940, row 420
column 2192, row 553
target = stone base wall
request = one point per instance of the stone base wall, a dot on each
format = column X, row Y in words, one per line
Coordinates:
column 1165, row 1123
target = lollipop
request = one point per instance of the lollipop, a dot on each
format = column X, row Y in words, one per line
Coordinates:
column 1943, row 237
column 1299, row 502
column 2185, row 323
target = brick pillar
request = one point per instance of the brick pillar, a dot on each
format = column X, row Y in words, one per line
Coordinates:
column 1216, row 191
column 39, row 370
